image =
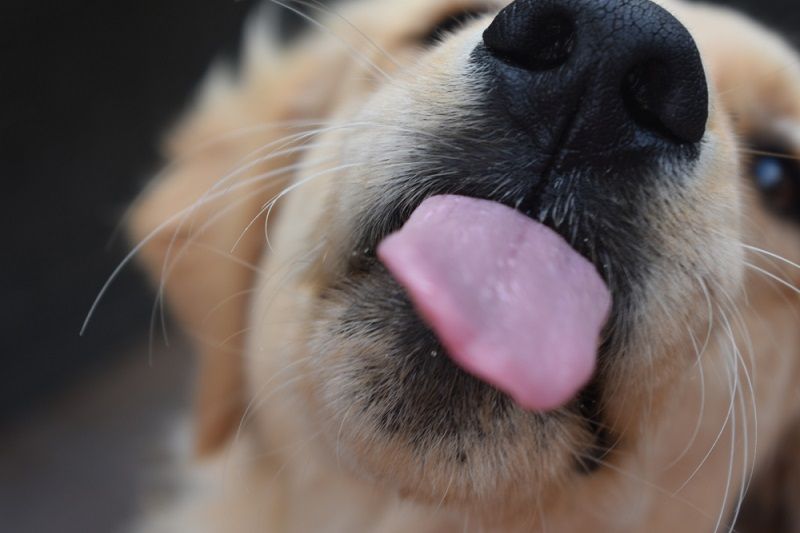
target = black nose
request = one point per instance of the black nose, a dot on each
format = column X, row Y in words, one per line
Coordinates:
column 603, row 73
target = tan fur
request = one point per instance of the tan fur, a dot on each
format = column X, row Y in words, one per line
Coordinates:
column 302, row 460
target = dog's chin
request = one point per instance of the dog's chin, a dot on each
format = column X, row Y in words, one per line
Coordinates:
column 396, row 410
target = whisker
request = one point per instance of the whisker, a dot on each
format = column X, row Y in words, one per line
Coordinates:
column 258, row 398
column 198, row 150
column 674, row 496
column 701, row 409
column 713, row 445
column 446, row 491
column 735, row 388
column 302, row 260
column 772, row 276
column 354, row 53
column 314, row 4
column 224, row 301
column 170, row 262
column 777, row 155
column 176, row 217
column 271, row 204
column 770, row 254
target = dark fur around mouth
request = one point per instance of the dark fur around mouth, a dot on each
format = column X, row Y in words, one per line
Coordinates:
column 589, row 407
column 432, row 400
column 435, row 399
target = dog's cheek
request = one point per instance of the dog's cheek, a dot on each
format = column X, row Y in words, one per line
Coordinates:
column 694, row 263
column 773, row 502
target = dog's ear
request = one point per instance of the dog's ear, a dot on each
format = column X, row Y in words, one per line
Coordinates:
column 201, row 221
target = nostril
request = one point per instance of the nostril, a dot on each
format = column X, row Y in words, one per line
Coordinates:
column 645, row 90
column 553, row 42
column 542, row 42
column 657, row 101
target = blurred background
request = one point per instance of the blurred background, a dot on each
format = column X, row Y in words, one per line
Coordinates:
column 86, row 89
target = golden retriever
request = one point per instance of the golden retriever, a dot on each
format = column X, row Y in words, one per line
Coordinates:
column 466, row 265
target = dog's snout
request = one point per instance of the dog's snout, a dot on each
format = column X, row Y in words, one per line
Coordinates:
column 626, row 70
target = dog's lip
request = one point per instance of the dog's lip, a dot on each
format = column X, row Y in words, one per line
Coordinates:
column 511, row 301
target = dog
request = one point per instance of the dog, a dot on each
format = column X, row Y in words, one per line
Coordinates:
column 466, row 265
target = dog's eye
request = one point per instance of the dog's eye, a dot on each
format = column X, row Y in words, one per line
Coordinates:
column 450, row 24
column 777, row 177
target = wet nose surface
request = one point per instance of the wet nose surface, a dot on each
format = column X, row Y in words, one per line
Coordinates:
column 599, row 76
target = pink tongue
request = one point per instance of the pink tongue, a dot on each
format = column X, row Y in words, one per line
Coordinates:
column 511, row 301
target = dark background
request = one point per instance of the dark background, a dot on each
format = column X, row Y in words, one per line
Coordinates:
column 86, row 88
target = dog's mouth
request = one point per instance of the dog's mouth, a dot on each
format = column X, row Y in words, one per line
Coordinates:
column 508, row 298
